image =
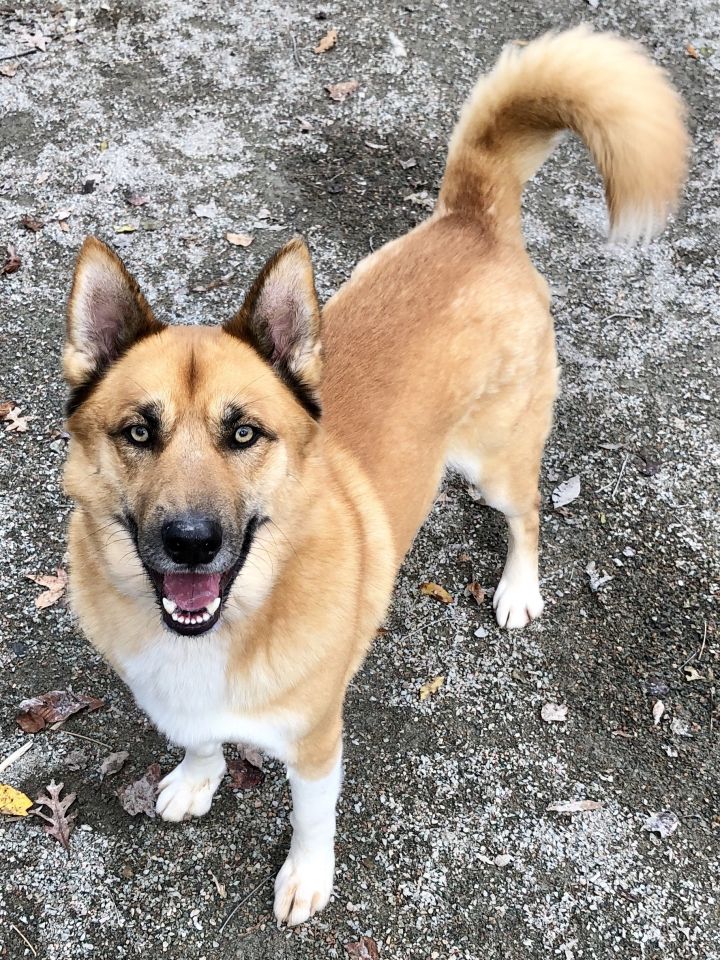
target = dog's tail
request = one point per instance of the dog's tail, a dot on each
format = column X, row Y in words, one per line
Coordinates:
column 601, row 87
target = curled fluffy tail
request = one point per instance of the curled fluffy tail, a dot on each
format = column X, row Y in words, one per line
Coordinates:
column 601, row 87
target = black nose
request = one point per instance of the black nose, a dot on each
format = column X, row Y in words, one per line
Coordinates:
column 191, row 538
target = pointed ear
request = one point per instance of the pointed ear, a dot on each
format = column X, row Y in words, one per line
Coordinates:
column 106, row 315
column 280, row 319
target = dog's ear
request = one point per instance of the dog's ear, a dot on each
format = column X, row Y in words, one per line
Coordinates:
column 280, row 318
column 106, row 314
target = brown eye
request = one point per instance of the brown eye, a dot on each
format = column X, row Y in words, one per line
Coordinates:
column 245, row 435
column 138, row 435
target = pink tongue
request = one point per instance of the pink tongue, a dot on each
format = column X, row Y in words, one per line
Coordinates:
column 192, row 591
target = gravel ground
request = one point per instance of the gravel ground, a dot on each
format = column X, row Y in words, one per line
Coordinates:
column 216, row 113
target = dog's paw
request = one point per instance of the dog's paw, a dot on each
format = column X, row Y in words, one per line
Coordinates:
column 184, row 795
column 303, row 887
column 517, row 600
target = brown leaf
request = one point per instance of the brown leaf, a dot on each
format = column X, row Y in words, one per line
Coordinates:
column 244, row 775
column 37, row 712
column 436, row 591
column 137, row 200
column 59, row 824
column 55, row 587
column 140, row 796
column 9, row 69
column 31, row 223
column 16, row 423
column 213, row 284
column 364, row 949
column 12, row 261
column 574, row 806
column 432, row 686
column 475, row 590
column 691, row 51
column 6, row 407
column 239, row 239
column 554, row 712
column 327, row 42
column 341, row 91
column 113, row 764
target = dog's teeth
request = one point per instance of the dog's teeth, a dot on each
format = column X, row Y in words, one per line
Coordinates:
column 176, row 617
column 169, row 605
column 205, row 617
column 212, row 607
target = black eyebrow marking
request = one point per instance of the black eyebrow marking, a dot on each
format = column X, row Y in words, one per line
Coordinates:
column 234, row 414
column 152, row 414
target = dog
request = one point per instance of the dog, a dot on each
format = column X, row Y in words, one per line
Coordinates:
column 245, row 493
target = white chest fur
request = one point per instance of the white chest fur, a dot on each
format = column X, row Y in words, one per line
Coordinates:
column 183, row 686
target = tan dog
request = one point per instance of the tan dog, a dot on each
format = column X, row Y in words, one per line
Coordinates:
column 245, row 497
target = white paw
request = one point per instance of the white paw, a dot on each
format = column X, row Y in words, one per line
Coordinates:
column 303, row 887
column 183, row 794
column 517, row 600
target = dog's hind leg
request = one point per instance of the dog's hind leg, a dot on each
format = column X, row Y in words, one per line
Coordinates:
column 498, row 447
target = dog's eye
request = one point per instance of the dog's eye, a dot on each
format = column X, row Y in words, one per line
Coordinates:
column 245, row 435
column 138, row 435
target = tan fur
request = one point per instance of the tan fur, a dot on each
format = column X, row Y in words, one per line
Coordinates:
column 439, row 350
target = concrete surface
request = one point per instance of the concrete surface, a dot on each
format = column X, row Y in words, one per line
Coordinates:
column 223, row 104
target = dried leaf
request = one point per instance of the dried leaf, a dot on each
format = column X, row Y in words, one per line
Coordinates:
column 55, row 587
column 16, row 422
column 598, row 578
column 436, row 591
column 137, row 200
column 126, row 228
column 12, row 261
column 658, row 711
column 503, row 859
column 464, row 557
column 13, row 802
column 664, row 823
column 213, row 284
column 341, row 91
column 9, row 69
column 140, row 796
column 37, row 712
column 208, row 211
column 692, row 674
column 691, row 51
column 423, row 199
column 566, row 492
column 31, row 223
column 113, row 764
column 574, row 806
column 59, row 824
column 63, row 215
column 244, row 775
column 475, row 590
column 432, row 686
column 37, row 40
column 364, row 949
column 554, row 713
column 239, row 239
column 327, row 42
column 6, row 407
column 220, row 887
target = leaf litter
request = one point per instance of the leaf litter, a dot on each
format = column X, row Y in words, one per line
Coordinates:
column 339, row 92
column 13, row 802
column 435, row 591
column 59, row 823
column 432, row 686
column 574, row 806
column 554, row 713
column 113, row 764
column 327, row 42
column 664, row 823
column 55, row 585
column 16, row 421
column 35, row 713
column 566, row 492
column 140, row 795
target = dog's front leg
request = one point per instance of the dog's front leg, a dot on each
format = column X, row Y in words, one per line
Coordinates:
column 304, row 883
column 187, row 791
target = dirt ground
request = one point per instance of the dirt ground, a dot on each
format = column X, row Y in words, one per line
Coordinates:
column 217, row 113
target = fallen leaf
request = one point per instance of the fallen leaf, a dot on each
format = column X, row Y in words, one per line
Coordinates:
column 649, row 462
column 436, row 591
column 63, row 215
column 126, row 228
column 59, row 824
column 244, row 775
column 220, row 887
column 692, row 674
column 409, row 163
column 13, row 802
column 574, row 806
column 691, row 51
column 566, row 492
column 658, row 711
column 9, row 69
column 6, row 407
column 363, row 949
column 208, row 211
column 664, row 823
column 554, row 713
column 475, row 590
column 503, row 859
column 55, row 585
column 137, row 200
column 341, row 91
column 36, row 713
column 12, row 261
column 140, row 796
column 327, row 42
column 31, row 223
column 681, row 728
column 598, row 578
column 16, row 422
column 464, row 557
column 239, row 239
column 113, row 764
column 212, row 284
column 432, row 686
column 423, row 199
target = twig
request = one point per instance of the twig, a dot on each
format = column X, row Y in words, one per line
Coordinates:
column 24, row 939
column 623, row 316
column 243, row 901
column 702, row 645
column 296, row 57
column 81, row 736
column 22, row 53
column 620, row 475
column 15, row 755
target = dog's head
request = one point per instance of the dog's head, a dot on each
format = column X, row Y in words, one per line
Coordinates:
column 189, row 444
